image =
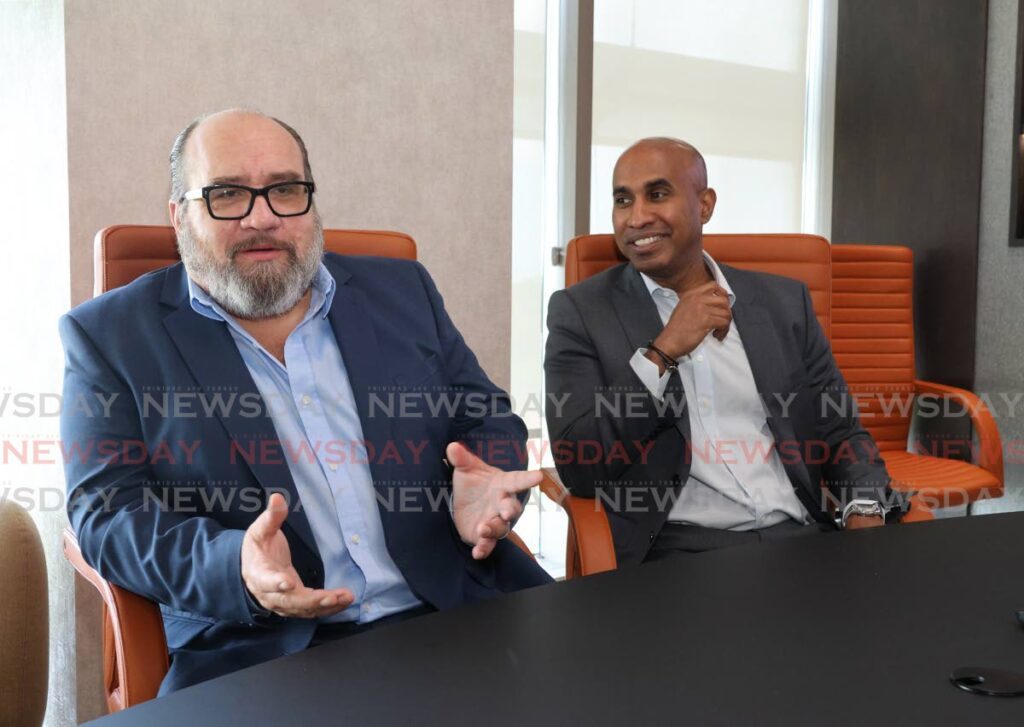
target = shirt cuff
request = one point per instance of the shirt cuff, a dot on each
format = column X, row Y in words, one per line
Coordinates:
column 647, row 371
column 255, row 609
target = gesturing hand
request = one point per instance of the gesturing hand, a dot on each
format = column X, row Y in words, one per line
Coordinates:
column 270, row 577
column 484, row 501
column 699, row 311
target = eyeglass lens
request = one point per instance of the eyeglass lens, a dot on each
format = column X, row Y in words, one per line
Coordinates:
column 285, row 199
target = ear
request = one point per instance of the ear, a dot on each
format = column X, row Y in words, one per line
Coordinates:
column 172, row 210
column 708, row 198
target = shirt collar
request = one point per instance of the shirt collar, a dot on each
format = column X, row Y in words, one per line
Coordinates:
column 653, row 288
column 319, row 304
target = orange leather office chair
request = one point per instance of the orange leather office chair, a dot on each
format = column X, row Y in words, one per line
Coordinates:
column 135, row 658
column 873, row 342
column 589, row 546
column 124, row 252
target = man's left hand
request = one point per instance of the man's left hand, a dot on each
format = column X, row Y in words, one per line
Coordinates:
column 484, row 502
column 856, row 522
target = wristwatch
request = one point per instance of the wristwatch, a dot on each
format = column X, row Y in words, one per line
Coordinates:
column 864, row 508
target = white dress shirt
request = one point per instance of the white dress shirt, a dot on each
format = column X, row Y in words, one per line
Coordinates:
column 736, row 481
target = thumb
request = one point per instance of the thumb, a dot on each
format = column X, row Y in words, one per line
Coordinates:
column 460, row 457
column 270, row 520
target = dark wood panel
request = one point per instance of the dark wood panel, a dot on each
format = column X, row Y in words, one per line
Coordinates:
column 910, row 86
column 1016, row 144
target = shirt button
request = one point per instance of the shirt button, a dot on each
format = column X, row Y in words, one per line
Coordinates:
column 333, row 466
column 366, row 608
column 306, row 400
column 700, row 357
column 704, row 403
column 355, row 540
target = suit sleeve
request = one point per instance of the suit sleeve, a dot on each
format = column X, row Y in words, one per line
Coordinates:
column 606, row 427
column 484, row 419
column 855, row 468
column 125, row 530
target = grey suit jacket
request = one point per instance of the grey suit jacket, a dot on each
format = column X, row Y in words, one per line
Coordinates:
column 612, row 440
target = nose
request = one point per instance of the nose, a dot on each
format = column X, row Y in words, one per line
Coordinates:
column 261, row 217
column 640, row 214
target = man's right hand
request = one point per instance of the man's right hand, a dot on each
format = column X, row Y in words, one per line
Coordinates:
column 700, row 310
column 270, row 577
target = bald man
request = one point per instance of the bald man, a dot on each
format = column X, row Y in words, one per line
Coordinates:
column 249, row 474
column 695, row 390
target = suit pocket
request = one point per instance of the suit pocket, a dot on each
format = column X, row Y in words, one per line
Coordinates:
column 180, row 630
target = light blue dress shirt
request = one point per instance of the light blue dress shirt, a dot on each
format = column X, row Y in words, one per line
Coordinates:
column 315, row 415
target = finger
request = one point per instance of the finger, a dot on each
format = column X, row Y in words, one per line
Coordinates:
column 272, row 581
column 493, row 528
column 496, row 528
column 460, row 457
column 717, row 320
column 509, row 509
column 271, row 519
column 520, row 480
column 310, row 603
column 721, row 333
column 718, row 302
column 484, row 548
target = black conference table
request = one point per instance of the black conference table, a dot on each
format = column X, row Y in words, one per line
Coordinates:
column 849, row 628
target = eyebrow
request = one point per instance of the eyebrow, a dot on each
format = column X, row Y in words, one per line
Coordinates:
column 275, row 177
column 660, row 182
column 654, row 183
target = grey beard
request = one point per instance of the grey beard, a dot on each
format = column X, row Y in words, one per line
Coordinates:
column 265, row 292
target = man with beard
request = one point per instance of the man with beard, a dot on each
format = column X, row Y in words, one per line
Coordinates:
column 253, row 552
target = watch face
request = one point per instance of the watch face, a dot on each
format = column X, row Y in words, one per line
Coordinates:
column 865, row 508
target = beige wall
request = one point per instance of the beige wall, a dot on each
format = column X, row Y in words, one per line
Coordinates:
column 406, row 106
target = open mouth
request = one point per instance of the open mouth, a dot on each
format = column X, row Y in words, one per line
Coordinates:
column 647, row 241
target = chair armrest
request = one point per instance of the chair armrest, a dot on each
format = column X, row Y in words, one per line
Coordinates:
column 135, row 658
column 590, row 548
column 990, row 446
column 918, row 512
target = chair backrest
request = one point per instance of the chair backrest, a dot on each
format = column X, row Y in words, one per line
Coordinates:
column 804, row 257
column 873, row 335
column 24, row 619
column 124, row 252
column 134, row 647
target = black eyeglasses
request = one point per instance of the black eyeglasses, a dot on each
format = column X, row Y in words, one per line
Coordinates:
column 235, row 201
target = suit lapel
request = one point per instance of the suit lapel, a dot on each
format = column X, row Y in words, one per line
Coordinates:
column 641, row 322
column 768, row 366
column 366, row 365
column 213, row 359
column 636, row 309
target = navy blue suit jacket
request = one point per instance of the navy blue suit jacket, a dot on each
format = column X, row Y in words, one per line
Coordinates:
column 162, row 488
